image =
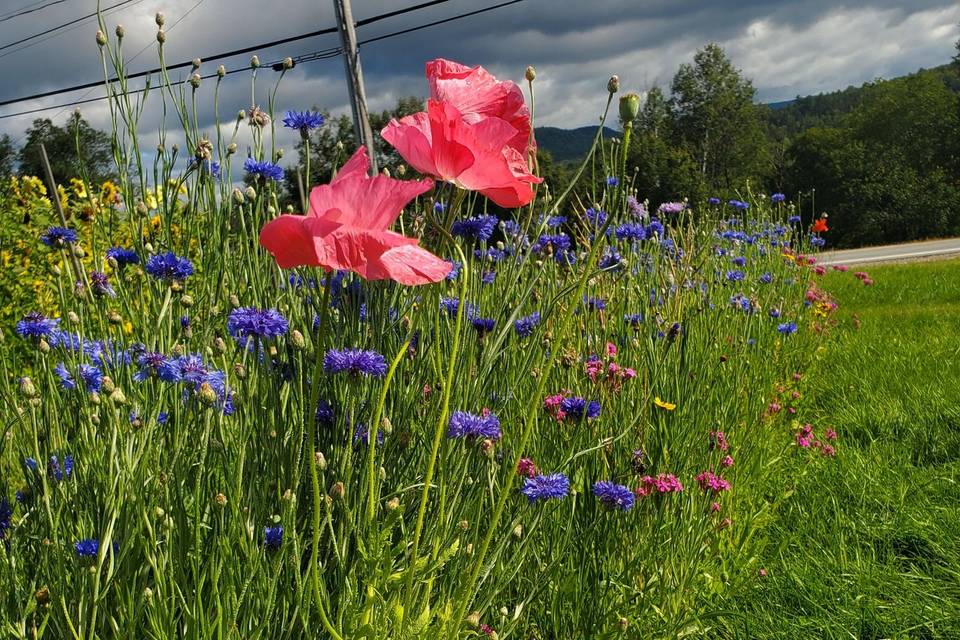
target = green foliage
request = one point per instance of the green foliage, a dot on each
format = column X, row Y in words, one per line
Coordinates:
column 867, row 547
column 71, row 149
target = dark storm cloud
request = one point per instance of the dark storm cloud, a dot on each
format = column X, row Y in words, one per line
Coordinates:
column 788, row 47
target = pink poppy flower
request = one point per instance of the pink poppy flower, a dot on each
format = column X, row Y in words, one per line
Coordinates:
column 346, row 229
column 476, row 156
column 477, row 94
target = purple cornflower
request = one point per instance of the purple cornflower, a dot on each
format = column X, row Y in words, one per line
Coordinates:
column 612, row 181
column 793, row 220
column 272, row 537
column 100, row 285
column 249, row 322
column 778, row 197
column 713, row 201
column 575, row 408
column 58, row 237
column 169, row 266
column 123, row 257
column 452, row 305
column 355, row 362
column 739, row 205
column 303, row 121
column 557, row 243
column 735, row 275
column 786, row 328
column 266, row 169
column 36, row 325
column 667, row 208
column 468, row 425
column 489, row 277
column 150, row 364
column 636, row 208
column 611, row 260
column 476, row 228
column 56, row 472
column 613, row 495
column 525, row 326
column 546, row 487
column 632, row 231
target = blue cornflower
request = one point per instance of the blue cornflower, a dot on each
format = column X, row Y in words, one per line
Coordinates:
column 92, row 377
column 355, row 362
column 266, row 169
column 595, row 217
column 362, row 434
column 553, row 222
column 654, row 228
column 613, row 495
column 439, row 207
column 169, row 266
column 123, row 257
column 611, row 260
column 632, row 231
column 303, row 121
column 774, row 313
column 468, row 425
column 539, row 488
column 612, row 181
column 88, row 548
column 557, row 242
column 6, row 515
column 766, row 278
column 58, row 237
column 56, row 472
column 452, row 306
column 786, row 328
column 150, row 364
column 525, row 326
column 483, row 326
column 713, row 201
column 325, row 413
column 594, row 304
column 210, row 167
column 478, row 227
column 163, row 417
column 36, row 325
column 100, row 285
column 30, row 463
column 488, row 277
column 272, row 537
column 739, row 204
column 817, row 241
column 739, row 261
column 185, row 368
column 778, row 197
column 66, row 378
column 510, row 228
column 794, row 219
column 455, row 267
column 735, row 275
column 577, row 409
column 633, row 319
column 244, row 323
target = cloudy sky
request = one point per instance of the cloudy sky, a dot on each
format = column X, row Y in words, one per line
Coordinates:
column 788, row 48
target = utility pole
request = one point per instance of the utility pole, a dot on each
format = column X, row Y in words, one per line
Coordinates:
column 358, row 96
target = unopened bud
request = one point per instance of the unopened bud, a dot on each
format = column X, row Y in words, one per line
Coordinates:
column 250, row 192
column 232, row 148
column 42, row 596
column 119, row 31
column 114, row 317
column 530, row 74
column 517, row 531
column 27, row 388
column 629, row 107
column 234, row 300
column 159, row 19
column 393, row 503
column 117, row 397
column 241, row 115
column 221, row 71
column 254, row 62
column 219, row 345
column 107, row 384
column 288, row 63
column 142, row 208
column 196, row 63
column 186, row 300
column 337, row 490
column 613, row 84
column 297, row 340
column 73, row 317
column 101, row 38
column 161, row 36
column 320, row 460
column 207, row 394
column 237, row 195
column 221, row 500
column 195, row 80
column 623, row 623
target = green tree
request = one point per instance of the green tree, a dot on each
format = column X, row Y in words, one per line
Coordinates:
column 715, row 119
column 68, row 159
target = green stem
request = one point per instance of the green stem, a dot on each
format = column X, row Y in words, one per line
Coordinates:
column 311, row 427
column 437, row 440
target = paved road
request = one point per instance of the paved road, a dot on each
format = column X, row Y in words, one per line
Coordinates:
column 892, row 252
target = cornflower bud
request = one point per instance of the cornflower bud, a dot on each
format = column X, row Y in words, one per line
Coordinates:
column 613, row 84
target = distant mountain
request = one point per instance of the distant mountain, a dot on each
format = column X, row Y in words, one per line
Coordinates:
column 783, row 104
column 569, row 144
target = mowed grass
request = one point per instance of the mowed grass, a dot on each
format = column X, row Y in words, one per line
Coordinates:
column 869, row 544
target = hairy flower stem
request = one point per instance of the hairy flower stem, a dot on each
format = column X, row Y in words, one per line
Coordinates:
column 311, row 427
column 437, row 440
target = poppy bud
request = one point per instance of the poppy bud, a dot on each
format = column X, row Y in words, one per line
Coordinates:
column 530, row 74
column 161, row 36
column 196, row 63
column 254, row 62
column 195, row 80
column 613, row 84
column 232, row 148
column 119, row 31
column 629, row 107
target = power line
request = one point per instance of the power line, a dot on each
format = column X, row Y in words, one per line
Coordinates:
column 25, row 10
column 236, row 52
column 65, row 24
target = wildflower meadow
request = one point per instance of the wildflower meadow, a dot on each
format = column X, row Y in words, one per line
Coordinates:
column 456, row 401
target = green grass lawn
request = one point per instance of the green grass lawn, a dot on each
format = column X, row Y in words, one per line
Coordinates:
column 869, row 545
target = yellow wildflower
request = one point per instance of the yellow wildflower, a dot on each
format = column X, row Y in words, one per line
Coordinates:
column 667, row 406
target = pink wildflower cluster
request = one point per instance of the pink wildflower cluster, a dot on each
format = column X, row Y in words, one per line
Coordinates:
column 607, row 371
column 863, row 277
column 842, row 268
column 526, row 468
column 709, row 481
column 664, row 483
column 718, row 440
column 807, row 439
